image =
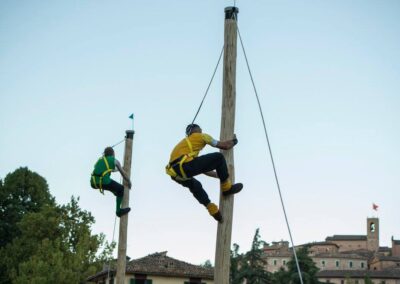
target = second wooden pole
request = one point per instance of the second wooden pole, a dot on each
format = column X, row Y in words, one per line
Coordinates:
column 224, row 232
column 123, row 220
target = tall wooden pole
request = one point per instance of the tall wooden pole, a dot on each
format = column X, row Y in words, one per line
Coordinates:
column 123, row 220
column 224, row 232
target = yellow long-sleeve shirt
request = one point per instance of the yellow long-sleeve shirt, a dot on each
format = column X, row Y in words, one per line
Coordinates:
column 198, row 142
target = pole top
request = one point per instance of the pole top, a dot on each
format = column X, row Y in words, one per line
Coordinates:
column 231, row 13
column 129, row 134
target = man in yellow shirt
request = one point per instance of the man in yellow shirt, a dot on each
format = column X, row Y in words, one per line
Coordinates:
column 185, row 163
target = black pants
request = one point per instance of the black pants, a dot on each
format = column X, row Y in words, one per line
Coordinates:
column 114, row 187
column 199, row 165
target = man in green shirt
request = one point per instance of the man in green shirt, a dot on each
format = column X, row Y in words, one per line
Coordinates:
column 101, row 179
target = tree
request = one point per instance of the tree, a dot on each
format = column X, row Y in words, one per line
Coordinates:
column 207, row 264
column 250, row 267
column 236, row 259
column 22, row 192
column 367, row 279
column 291, row 276
column 54, row 244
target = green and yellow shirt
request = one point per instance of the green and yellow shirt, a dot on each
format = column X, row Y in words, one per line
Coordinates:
column 105, row 165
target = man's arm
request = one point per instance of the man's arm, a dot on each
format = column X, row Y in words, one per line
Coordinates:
column 123, row 174
column 228, row 144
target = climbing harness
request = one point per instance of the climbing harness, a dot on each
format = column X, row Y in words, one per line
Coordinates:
column 169, row 169
column 99, row 186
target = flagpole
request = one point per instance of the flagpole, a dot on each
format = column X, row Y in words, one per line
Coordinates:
column 132, row 116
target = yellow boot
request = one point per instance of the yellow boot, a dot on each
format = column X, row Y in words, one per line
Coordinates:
column 214, row 211
column 228, row 189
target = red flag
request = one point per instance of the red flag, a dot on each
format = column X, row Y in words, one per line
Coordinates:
column 375, row 207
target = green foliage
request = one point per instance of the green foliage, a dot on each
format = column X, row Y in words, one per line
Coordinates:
column 207, row 264
column 367, row 280
column 249, row 267
column 21, row 192
column 54, row 245
column 236, row 259
column 291, row 276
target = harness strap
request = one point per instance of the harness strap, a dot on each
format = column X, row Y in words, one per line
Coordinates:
column 189, row 144
column 100, row 185
column 180, row 161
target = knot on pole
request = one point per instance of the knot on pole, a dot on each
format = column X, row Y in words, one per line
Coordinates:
column 231, row 13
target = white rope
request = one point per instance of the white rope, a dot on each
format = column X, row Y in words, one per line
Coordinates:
column 272, row 158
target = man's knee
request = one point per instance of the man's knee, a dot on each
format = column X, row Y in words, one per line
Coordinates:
column 218, row 156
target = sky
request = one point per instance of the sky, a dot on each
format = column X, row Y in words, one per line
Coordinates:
column 327, row 73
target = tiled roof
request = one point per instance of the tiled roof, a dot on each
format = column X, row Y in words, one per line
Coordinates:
column 279, row 254
column 347, row 238
column 387, row 258
column 319, row 244
column 383, row 274
column 340, row 255
column 361, row 252
column 162, row 265
column 384, row 249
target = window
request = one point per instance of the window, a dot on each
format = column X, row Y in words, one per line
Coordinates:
column 350, row 264
column 140, row 281
column 357, row 282
column 337, row 263
column 323, row 263
column 362, row 264
column 284, row 262
column 372, row 227
column 341, row 281
column 275, row 262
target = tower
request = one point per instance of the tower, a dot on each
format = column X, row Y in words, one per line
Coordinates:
column 372, row 234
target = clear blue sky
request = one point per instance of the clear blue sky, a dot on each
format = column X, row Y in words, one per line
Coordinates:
column 327, row 72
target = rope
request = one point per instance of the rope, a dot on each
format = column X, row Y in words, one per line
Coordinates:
column 272, row 158
column 109, row 262
column 209, row 84
column 118, row 143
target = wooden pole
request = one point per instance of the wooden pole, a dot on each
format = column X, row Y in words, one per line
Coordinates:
column 123, row 220
column 224, row 232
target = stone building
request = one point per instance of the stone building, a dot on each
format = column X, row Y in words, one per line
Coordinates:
column 345, row 258
column 158, row 268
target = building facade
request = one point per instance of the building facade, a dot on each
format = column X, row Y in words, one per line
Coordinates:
column 157, row 268
column 344, row 259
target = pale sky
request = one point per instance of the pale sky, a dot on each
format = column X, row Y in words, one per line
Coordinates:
column 327, row 72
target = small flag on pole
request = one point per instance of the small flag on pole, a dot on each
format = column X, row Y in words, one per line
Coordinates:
column 375, row 207
column 131, row 117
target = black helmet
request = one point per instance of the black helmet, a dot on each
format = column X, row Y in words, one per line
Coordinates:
column 190, row 127
column 109, row 151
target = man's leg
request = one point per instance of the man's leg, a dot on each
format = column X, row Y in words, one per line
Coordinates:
column 118, row 190
column 201, row 195
column 206, row 163
column 209, row 162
